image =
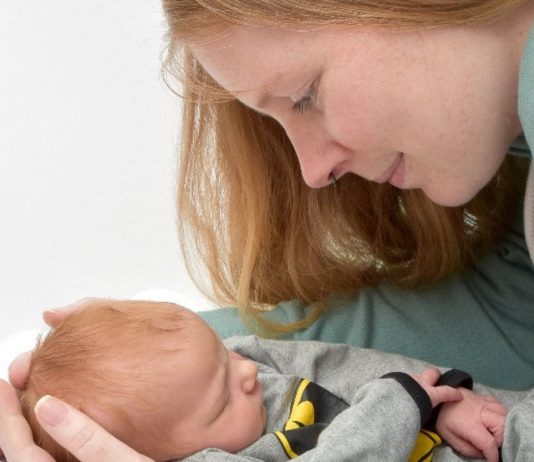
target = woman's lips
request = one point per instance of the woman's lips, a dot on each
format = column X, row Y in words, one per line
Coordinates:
column 394, row 175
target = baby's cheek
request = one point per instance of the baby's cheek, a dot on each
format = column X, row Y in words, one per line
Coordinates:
column 253, row 427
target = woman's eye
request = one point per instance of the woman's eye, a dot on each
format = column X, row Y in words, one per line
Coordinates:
column 306, row 102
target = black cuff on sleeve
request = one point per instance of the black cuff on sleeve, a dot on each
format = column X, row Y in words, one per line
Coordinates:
column 416, row 391
column 456, row 378
column 453, row 378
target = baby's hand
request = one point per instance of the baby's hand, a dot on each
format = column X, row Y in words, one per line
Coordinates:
column 473, row 426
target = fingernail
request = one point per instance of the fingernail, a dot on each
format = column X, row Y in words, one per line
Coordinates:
column 50, row 410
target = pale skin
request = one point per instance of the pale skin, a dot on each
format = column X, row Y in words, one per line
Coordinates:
column 392, row 119
column 415, row 103
column 383, row 104
column 475, row 423
column 221, row 398
column 474, row 426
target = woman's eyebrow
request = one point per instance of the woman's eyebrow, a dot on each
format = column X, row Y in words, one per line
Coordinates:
column 266, row 96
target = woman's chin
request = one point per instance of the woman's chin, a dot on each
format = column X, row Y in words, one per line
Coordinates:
column 448, row 197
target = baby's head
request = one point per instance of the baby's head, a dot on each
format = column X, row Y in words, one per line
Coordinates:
column 153, row 374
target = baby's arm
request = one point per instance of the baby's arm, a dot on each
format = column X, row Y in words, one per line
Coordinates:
column 383, row 420
column 473, row 426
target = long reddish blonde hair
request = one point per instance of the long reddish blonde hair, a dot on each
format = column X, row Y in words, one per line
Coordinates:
column 245, row 214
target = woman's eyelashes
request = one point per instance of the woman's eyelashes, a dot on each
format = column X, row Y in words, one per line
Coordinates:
column 307, row 101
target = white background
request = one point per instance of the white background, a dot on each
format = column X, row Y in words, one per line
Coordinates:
column 87, row 156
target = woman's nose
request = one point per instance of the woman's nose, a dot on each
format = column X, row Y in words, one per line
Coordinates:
column 318, row 154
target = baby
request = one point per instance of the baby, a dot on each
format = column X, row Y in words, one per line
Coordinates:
column 159, row 379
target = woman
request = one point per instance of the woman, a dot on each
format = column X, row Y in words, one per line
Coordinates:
column 423, row 242
column 422, row 118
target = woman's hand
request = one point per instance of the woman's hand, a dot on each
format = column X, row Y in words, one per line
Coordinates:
column 54, row 317
column 16, row 440
column 73, row 430
column 69, row 427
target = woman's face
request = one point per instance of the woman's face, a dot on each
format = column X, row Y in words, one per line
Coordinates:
column 433, row 109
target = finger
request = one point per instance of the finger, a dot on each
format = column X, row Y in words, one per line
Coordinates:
column 80, row 435
column 53, row 317
column 16, row 438
column 491, row 453
column 431, row 376
column 31, row 453
column 444, row 394
column 497, row 408
column 19, row 370
column 463, row 446
column 482, row 439
column 494, row 422
column 490, row 399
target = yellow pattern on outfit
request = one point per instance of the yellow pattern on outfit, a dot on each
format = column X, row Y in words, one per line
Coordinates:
column 302, row 412
column 424, row 446
column 310, row 401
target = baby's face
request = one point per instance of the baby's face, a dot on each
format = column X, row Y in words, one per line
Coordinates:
column 219, row 397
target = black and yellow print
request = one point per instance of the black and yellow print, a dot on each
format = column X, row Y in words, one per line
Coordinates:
column 313, row 408
column 425, row 444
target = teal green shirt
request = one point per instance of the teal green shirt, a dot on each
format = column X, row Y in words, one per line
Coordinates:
column 481, row 321
column 526, row 90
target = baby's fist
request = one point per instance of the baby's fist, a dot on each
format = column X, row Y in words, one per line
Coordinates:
column 473, row 426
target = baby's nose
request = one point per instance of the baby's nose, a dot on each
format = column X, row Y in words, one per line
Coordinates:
column 249, row 372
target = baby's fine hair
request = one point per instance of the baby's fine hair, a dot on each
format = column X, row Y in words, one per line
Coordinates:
column 101, row 360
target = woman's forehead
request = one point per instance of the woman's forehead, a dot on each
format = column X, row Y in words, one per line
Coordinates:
column 255, row 59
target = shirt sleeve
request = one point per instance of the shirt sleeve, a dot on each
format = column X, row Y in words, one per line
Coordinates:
column 518, row 444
